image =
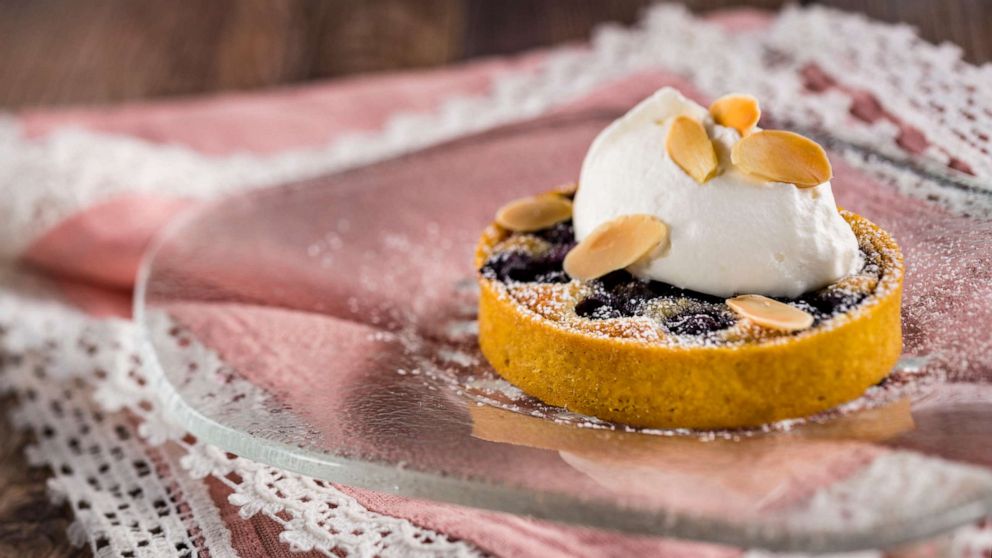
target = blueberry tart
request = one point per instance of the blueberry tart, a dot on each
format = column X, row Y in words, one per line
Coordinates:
column 700, row 276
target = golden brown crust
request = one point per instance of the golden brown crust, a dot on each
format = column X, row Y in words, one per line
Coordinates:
column 651, row 384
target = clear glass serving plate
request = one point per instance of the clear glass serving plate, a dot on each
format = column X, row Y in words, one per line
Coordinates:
column 327, row 327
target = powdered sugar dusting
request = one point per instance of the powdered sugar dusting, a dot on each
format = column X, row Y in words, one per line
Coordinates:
column 513, row 258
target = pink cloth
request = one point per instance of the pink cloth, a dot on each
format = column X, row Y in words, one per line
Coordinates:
column 287, row 118
column 104, row 244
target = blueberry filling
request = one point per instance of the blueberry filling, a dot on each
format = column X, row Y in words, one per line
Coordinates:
column 829, row 302
column 698, row 323
column 617, row 294
column 597, row 308
column 525, row 268
column 559, row 234
column 620, row 294
column 530, row 268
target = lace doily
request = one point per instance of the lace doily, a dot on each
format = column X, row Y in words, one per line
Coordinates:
column 124, row 479
column 122, row 473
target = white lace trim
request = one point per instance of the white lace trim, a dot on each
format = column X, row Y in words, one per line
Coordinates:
column 927, row 86
column 60, row 363
column 314, row 514
column 123, row 494
column 72, row 169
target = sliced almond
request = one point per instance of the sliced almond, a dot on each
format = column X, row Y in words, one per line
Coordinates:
column 737, row 111
column 780, row 156
column 566, row 189
column 615, row 245
column 691, row 149
column 534, row 213
column 769, row 313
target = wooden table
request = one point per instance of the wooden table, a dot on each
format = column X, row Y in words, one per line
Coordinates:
column 30, row 526
column 59, row 52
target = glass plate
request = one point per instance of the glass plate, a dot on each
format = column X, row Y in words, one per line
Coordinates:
column 327, row 327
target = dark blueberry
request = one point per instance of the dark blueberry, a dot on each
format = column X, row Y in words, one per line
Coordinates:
column 832, row 301
column 503, row 265
column 525, row 273
column 614, row 279
column 665, row 290
column 557, row 252
column 632, row 296
column 524, row 268
column 550, row 264
column 805, row 306
column 634, row 289
column 561, row 233
column 606, row 312
column 698, row 323
column 596, row 308
column 671, row 291
column 541, row 270
column 557, row 276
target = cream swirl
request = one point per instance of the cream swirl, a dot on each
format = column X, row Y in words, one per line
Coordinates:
column 734, row 234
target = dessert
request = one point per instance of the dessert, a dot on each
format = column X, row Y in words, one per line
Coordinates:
column 701, row 276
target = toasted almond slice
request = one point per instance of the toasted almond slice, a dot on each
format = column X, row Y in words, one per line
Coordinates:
column 691, row 149
column 770, row 313
column 534, row 213
column 615, row 245
column 780, row 156
column 737, row 111
column 568, row 189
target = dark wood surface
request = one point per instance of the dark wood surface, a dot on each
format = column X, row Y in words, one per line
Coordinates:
column 61, row 52
column 30, row 526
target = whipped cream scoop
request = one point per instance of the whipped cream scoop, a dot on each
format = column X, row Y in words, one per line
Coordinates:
column 734, row 233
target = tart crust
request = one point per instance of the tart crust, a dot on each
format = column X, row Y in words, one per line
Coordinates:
column 649, row 384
